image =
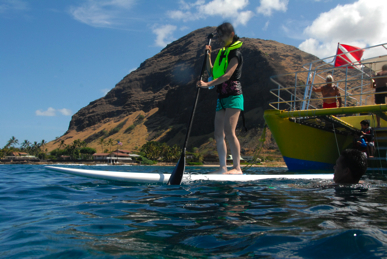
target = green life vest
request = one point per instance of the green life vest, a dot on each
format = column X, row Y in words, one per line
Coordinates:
column 220, row 68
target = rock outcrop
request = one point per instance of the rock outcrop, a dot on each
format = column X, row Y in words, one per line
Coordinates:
column 154, row 102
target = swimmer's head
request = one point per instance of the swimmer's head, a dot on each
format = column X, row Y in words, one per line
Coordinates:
column 350, row 167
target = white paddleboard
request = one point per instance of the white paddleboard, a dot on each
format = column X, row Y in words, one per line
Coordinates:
column 163, row 178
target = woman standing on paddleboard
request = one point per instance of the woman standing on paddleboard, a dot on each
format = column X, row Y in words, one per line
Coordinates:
column 226, row 72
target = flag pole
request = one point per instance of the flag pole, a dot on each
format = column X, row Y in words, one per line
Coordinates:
column 334, row 62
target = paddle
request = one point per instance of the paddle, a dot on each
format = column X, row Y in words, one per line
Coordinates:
column 177, row 174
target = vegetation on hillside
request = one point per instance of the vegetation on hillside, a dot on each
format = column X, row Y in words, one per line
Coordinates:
column 139, row 119
column 116, row 129
column 104, row 133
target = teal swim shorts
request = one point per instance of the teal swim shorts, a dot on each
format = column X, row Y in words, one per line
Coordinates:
column 233, row 101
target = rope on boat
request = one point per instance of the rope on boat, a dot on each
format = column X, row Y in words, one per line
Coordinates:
column 377, row 145
column 337, row 143
column 257, row 151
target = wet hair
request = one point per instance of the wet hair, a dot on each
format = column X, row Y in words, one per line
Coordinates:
column 227, row 28
column 365, row 122
column 330, row 77
column 356, row 161
column 384, row 67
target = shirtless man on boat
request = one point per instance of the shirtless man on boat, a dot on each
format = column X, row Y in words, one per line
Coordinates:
column 329, row 90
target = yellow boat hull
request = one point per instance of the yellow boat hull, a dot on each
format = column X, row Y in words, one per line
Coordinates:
column 307, row 148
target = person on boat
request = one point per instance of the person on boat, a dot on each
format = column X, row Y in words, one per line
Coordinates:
column 367, row 133
column 380, row 85
column 226, row 73
column 329, row 90
column 350, row 167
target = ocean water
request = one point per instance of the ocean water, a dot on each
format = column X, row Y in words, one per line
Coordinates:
column 46, row 214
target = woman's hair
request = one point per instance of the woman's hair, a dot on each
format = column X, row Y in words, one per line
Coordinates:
column 227, row 28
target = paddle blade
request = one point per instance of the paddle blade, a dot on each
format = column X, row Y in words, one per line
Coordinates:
column 177, row 174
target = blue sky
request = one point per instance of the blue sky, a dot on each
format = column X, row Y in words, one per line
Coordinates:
column 58, row 56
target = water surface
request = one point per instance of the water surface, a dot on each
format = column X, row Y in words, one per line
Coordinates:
column 47, row 214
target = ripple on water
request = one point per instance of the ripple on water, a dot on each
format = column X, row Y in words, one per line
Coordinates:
column 47, row 214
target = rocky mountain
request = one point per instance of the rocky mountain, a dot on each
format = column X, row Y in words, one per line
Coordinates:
column 154, row 102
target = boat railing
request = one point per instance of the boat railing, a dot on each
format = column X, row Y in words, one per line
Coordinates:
column 295, row 90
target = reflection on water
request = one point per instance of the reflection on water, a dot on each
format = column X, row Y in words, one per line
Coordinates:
column 47, row 214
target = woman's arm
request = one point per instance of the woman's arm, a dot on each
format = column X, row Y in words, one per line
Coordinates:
column 209, row 66
column 232, row 65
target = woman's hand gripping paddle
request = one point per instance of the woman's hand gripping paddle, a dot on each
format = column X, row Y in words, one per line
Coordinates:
column 177, row 174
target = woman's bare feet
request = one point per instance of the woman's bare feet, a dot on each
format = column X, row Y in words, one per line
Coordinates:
column 221, row 170
column 234, row 171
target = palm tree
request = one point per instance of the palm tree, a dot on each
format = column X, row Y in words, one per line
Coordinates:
column 110, row 143
column 102, row 142
column 61, row 144
column 35, row 148
column 25, row 145
column 15, row 142
column 175, row 150
column 11, row 142
column 77, row 143
column 42, row 144
column 164, row 151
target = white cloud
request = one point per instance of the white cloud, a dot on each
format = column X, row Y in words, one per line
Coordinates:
column 266, row 26
column 243, row 18
column 50, row 112
column 359, row 24
column 12, row 5
column 187, row 6
column 294, row 28
column 268, row 6
column 105, row 91
column 164, row 34
column 65, row 112
column 231, row 9
column 101, row 13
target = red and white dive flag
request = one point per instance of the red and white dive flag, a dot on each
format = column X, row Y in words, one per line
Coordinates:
column 345, row 58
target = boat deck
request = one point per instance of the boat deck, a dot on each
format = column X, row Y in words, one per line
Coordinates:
column 310, row 137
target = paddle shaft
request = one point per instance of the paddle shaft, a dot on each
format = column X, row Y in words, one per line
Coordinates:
column 177, row 174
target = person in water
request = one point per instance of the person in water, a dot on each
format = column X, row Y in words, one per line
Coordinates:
column 226, row 73
column 367, row 133
column 329, row 90
column 350, row 167
column 380, row 85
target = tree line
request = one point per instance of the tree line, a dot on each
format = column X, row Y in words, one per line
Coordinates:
column 77, row 150
column 36, row 149
column 150, row 153
column 161, row 151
